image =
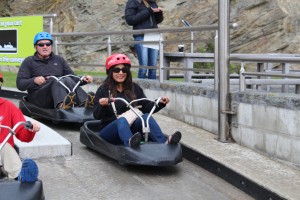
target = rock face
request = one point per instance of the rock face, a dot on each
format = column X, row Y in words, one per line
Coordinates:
column 265, row 26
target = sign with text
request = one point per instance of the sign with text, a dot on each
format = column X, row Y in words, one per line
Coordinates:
column 16, row 38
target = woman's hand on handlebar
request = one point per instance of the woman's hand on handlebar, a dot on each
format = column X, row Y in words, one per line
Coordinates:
column 164, row 100
column 104, row 101
column 88, row 79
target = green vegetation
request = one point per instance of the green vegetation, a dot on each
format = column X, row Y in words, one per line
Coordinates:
column 210, row 48
column 177, row 79
column 9, row 79
column 235, row 68
column 81, row 73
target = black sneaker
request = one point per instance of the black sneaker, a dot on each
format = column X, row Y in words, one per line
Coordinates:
column 174, row 138
column 69, row 101
column 135, row 140
column 89, row 103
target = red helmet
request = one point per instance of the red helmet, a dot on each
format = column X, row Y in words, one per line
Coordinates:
column 116, row 59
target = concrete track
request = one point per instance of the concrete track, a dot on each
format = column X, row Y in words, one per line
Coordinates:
column 89, row 175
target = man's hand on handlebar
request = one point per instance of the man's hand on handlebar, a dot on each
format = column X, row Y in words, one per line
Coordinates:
column 88, row 79
column 164, row 100
column 39, row 80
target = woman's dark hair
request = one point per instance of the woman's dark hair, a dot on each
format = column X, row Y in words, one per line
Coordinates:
column 128, row 86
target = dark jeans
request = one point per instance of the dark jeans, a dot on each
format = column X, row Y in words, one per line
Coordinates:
column 119, row 131
column 53, row 93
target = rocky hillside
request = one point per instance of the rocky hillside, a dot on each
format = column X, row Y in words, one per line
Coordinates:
column 265, row 26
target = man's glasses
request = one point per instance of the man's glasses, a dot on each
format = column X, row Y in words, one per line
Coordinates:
column 43, row 44
column 117, row 70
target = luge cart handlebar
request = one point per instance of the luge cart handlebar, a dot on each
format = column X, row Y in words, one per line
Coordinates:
column 28, row 125
column 145, row 126
column 58, row 79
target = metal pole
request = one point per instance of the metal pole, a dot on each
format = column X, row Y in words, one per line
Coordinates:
column 56, row 45
column 51, row 25
column 161, row 59
column 285, row 70
column 216, row 60
column 109, row 45
column 223, row 125
column 192, row 43
column 51, row 31
column 242, row 78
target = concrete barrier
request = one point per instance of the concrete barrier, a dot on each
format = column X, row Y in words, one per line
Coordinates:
column 47, row 143
column 264, row 121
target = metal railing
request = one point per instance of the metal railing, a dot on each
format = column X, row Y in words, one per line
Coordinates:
column 260, row 59
column 51, row 18
column 268, row 58
column 109, row 42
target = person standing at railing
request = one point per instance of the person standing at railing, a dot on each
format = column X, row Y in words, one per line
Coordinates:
column 144, row 14
column 48, row 93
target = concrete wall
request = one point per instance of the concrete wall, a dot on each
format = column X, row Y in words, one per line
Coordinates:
column 265, row 122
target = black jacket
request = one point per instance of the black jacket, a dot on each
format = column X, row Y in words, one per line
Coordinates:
column 106, row 113
column 34, row 66
column 139, row 16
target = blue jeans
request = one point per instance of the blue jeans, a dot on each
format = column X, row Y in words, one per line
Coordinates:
column 147, row 57
column 119, row 131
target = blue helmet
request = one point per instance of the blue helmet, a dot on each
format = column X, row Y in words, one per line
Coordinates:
column 42, row 36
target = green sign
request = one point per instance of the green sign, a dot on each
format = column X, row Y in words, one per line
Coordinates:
column 16, row 38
